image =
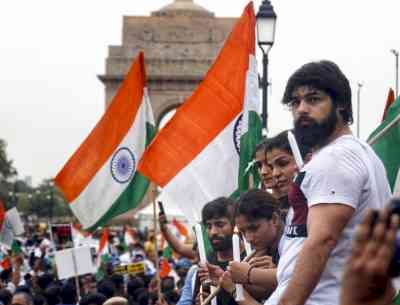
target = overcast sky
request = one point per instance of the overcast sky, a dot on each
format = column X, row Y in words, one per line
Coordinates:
column 52, row 51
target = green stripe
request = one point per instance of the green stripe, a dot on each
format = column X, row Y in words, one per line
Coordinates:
column 387, row 147
column 248, row 143
column 132, row 196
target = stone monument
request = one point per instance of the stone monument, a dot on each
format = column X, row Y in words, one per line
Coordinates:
column 180, row 41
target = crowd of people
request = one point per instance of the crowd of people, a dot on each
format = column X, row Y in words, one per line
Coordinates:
column 321, row 233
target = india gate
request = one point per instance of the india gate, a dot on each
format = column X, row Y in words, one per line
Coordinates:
column 180, row 41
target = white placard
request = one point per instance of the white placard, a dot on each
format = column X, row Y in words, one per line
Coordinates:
column 65, row 264
column 73, row 262
column 16, row 221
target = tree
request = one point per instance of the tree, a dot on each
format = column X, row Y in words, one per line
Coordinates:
column 7, row 171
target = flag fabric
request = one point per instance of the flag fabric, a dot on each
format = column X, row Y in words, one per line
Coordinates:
column 389, row 101
column 12, row 226
column 100, row 180
column 385, row 140
column 165, row 268
column 180, row 227
column 103, row 251
column 195, row 157
column 2, row 214
column 129, row 236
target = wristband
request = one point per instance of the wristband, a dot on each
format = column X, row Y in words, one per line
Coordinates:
column 248, row 275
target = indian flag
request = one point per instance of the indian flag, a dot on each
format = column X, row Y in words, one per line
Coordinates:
column 100, row 180
column 195, row 158
column 385, row 140
column 102, row 251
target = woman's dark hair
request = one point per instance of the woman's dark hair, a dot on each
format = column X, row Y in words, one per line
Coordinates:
column 281, row 142
column 326, row 76
column 256, row 204
column 220, row 207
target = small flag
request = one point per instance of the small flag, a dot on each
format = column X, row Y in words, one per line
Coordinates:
column 389, row 101
column 180, row 227
column 103, row 252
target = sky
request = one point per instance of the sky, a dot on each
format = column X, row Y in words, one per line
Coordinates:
column 52, row 51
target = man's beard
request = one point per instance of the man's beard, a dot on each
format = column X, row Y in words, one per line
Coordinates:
column 315, row 134
column 224, row 244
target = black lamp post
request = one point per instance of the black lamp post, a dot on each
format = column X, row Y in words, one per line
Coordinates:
column 266, row 22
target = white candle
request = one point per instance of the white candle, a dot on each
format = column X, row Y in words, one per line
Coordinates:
column 247, row 246
column 200, row 244
column 236, row 258
column 295, row 150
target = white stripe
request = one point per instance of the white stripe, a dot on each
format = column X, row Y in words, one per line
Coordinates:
column 396, row 187
column 252, row 94
column 102, row 191
column 213, row 173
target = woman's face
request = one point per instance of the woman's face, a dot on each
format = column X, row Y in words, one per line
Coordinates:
column 264, row 170
column 283, row 168
column 260, row 233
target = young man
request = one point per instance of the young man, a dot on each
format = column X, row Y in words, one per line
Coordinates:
column 332, row 192
column 218, row 217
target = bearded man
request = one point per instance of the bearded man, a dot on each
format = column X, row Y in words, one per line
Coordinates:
column 331, row 193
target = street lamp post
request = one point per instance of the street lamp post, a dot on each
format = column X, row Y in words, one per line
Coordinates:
column 396, row 54
column 266, row 22
column 358, row 108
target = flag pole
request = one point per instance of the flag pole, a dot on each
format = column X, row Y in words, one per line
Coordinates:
column 153, row 193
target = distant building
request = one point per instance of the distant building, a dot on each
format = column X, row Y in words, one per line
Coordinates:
column 180, row 42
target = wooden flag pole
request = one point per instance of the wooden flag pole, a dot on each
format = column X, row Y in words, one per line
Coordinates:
column 153, row 199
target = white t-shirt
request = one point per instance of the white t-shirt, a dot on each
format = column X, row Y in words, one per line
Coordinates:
column 347, row 171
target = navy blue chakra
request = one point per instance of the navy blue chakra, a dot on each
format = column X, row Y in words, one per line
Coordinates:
column 237, row 132
column 123, row 165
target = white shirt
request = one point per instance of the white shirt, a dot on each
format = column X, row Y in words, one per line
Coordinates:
column 347, row 171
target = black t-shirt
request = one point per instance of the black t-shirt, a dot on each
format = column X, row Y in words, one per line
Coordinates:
column 223, row 297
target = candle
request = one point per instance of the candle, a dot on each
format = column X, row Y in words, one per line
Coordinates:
column 295, row 150
column 200, row 244
column 247, row 246
column 236, row 258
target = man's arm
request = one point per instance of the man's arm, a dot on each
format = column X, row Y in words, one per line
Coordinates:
column 176, row 245
column 325, row 224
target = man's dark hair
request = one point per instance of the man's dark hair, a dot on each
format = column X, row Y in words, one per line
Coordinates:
column 256, row 204
column 5, row 296
column 118, row 281
column 68, row 293
column 45, row 280
column 326, row 76
column 27, row 297
column 52, row 295
column 107, row 288
column 93, row 298
column 220, row 207
column 134, row 284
